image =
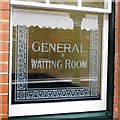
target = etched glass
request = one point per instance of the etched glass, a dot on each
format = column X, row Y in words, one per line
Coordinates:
column 56, row 56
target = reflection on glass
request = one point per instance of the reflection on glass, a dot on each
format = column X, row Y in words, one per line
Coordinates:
column 64, row 2
column 94, row 3
column 53, row 55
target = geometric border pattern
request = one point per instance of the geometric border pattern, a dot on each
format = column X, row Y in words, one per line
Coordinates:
column 94, row 62
column 23, row 93
column 21, row 60
column 52, row 94
column 21, row 57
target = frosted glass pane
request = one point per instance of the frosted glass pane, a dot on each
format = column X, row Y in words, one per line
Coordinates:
column 53, row 62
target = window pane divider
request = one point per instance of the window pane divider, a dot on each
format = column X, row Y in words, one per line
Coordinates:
column 79, row 3
column 47, row 1
column 110, row 6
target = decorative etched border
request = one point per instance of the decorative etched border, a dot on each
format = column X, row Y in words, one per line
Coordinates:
column 94, row 61
column 52, row 94
column 21, row 59
column 22, row 93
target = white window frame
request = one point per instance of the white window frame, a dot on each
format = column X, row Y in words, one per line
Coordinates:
column 62, row 107
column 64, row 7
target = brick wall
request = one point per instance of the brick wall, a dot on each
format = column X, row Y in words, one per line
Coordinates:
column 4, row 53
column 117, row 62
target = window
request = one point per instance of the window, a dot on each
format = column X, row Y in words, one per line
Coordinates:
column 83, row 5
column 58, row 59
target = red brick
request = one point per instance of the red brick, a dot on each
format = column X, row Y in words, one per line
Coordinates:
column 5, row 5
column 3, row 67
column 117, row 1
column 4, row 78
column 4, row 88
column 117, row 13
column 116, row 100
column 115, row 115
column 5, row 15
column 118, row 116
column 116, row 108
column 117, row 32
column 4, row 36
column 4, row 109
column 117, row 7
column 3, row 117
column 117, row 66
column 117, row 24
column 117, row 49
column 117, row 41
column 116, row 91
column 4, row 99
column 116, row 82
column 4, row 26
column 117, row 21
column 3, row 57
column 0, row 109
column 117, row 74
column 4, row 46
